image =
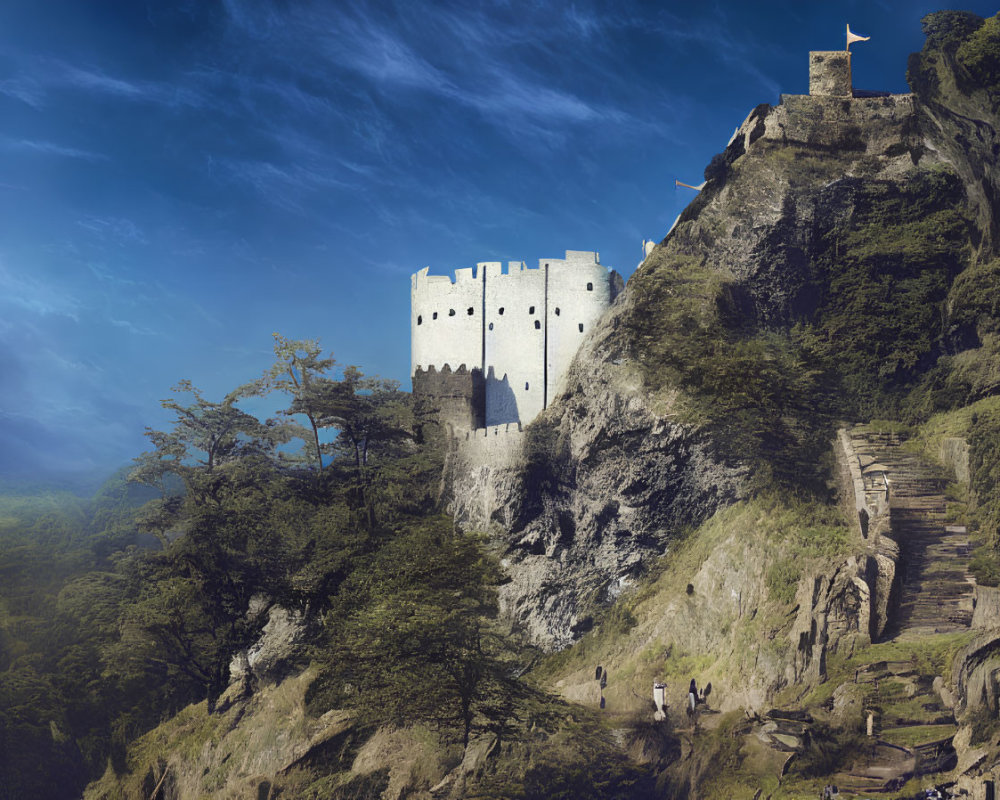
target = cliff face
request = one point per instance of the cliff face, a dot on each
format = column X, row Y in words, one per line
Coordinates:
column 809, row 279
column 584, row 499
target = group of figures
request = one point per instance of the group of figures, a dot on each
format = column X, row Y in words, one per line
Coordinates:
column 697, row 697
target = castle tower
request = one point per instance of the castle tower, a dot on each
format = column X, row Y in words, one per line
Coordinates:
column 830, row 73
column 579, row 289
column 514, row 343
column 515, row 331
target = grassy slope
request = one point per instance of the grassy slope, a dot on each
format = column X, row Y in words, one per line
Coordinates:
column 731, row 626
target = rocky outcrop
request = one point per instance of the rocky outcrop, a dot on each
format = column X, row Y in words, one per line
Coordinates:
column 838, row 611
column 272, row 656
column 584, row 499
column 235, row 753
column 959, row 121
column 976, row 673
column 599, row 484
column 619, row 462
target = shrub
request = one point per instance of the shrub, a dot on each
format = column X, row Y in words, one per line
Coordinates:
column 980, row 53
column 783, row 581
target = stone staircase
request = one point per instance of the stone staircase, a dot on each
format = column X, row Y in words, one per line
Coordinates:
column 936, row 590
column 935, row 596
column 913, row 723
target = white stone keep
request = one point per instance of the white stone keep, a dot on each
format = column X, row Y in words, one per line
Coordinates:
column 521, row 326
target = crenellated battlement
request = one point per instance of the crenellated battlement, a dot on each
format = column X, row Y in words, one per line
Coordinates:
column 499, row 446
column 518, row 326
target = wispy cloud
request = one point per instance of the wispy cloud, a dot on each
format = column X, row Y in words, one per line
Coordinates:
column 385, row 58
column 85, row 79
column 106, row 276
column 52, row 149
column 27, row 90
column 717, row 37
column 284, row 185
column 118, row 229
column 131, row 327
column 36, row 296
column 170, row 94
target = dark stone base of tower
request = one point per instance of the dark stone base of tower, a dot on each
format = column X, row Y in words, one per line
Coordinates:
column 447, row 399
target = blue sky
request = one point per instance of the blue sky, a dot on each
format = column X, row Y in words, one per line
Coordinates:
column 180, row 179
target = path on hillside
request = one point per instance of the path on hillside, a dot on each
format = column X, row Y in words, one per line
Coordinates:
column 913, row 729
column 936, row 587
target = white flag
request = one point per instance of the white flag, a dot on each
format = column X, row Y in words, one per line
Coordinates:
column 853, row 37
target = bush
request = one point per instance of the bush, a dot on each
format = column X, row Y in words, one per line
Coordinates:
column 980, row 53
column 827, row 749
column 947, row 30
column 985, row 567
column 984, row 469
column 973, row 301
column 783, row 581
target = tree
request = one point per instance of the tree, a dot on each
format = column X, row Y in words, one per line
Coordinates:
column 369, row 413
column 413, row 633
column 298, row 365
column 371, row 416
column 205, row 436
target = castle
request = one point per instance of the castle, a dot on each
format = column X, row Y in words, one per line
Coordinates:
column 490, row 347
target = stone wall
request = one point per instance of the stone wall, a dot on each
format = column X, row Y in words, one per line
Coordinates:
column 515, row 344
column 446, row 320
column 579, row 290
column 500, row 446
column 870, row 508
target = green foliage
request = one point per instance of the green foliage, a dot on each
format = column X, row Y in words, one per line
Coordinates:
column 411, row 634
column 206, row 436
column 58, row 604
column 984, row 471
column 114, row 628
column 886, row 277
column 783, row 581
column 947, row 30
column 973, row 300
column 980, row 53
column 828, row 749
column 985, row 566
column 562, row 753
column 760, row 393
column 882, row 276
column 297, row 364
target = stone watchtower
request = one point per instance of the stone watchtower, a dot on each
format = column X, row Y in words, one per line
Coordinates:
column 830, row 73
column 830, row 70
